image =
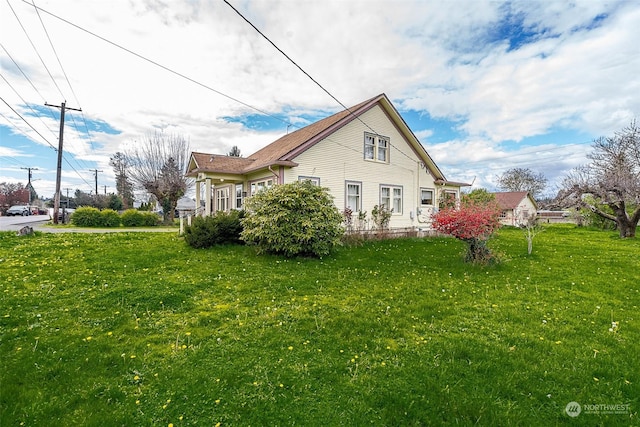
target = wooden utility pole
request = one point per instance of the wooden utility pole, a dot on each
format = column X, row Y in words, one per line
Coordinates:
column 29, row 185
column 56, row 197
column 95, row 171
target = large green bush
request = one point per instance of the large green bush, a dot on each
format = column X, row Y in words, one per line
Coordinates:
column 136, row 218
column 218, row 229
column 293, row 219
column 109, row 218
column 86, row 216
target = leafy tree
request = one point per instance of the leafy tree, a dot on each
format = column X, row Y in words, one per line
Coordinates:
column 293, row 219
column 235, row 152
column 115, row 202
column 523, row 179
column 13, row 194
column 479, row 195
column 611, row 179
column 124, row 186
column 156, row 165
column 474, row 223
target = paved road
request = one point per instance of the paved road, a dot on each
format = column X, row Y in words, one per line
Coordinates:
column 40, row 223
column 15, row 223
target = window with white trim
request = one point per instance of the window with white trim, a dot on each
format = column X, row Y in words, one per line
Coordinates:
column 312, row 179
column 391, row 198
column 426, row 196
column 258, row 186
column 222, row 199
column 238, row 196
column 353, row 195
column 376, row 147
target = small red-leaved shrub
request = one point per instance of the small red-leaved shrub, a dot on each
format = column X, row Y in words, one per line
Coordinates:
column 474, row 223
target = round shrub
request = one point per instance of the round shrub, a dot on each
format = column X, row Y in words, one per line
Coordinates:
column 86, row 216
column 109, row 218
column 150, row 219
column 132, row 218
column 293, row 219
column 136, row 218
column 218, row 229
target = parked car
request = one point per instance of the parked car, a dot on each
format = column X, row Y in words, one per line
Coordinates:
column 19, row 210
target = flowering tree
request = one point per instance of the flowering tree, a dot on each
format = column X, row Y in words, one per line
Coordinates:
column 474, row 223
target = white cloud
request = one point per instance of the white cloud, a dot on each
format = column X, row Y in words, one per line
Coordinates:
column 440, row 58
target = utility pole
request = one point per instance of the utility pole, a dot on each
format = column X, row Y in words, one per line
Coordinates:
column 67, row 190
column 95, row 171
column 29, row 186
column 56, row 197
column 105, row 190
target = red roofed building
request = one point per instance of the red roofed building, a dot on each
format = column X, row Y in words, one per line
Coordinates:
column 517, row 207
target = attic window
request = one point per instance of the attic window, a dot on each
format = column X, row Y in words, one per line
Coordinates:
column 376, row 148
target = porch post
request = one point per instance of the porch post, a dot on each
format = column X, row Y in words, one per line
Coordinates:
column 207, row 200
column 197, row 196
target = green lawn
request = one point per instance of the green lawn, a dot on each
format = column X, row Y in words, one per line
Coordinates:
column 140, row 329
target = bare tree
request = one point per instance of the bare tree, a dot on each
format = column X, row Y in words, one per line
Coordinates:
column 157, row 165
column 523, row 179
column 612, row 179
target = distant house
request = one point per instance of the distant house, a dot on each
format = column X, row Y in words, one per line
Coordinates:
column 516, row 206
column 365, row 156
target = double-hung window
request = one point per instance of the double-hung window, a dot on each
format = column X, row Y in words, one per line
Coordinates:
column 222, row 196
column 376, row 148
column 353, row 197
column 426, row 197
column 391, row 198
column 238, row 196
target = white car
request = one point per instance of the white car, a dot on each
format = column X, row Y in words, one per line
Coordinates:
column 19, row 210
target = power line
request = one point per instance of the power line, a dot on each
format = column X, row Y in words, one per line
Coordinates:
column 65, row 76
column 27, row 104
column 35, row 49
column 26, row 77
column 157, row 64
column 312, row 79
column 29, row 124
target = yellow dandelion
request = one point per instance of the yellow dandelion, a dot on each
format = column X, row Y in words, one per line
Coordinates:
column 109, row 333
column 596, row 379
column 217, row 401
column 188, row 334
column 136, row 378
column 137, row 402
column 133, row 356
column 281, row 385
column 290, row 348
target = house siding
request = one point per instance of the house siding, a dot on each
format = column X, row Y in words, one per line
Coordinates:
column 340, row 158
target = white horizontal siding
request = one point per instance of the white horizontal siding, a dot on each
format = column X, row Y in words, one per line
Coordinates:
column 340, row 158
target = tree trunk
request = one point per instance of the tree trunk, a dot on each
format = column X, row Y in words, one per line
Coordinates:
column 627, row 228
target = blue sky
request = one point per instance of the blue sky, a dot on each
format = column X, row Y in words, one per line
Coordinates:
column 485, row 85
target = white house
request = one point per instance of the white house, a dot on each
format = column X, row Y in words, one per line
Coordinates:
column 516, row 207
column 366, row 156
